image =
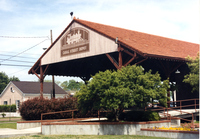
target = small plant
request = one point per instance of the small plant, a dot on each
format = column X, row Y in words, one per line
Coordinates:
column 175, row 128
column 3, row 115
column 190, row 125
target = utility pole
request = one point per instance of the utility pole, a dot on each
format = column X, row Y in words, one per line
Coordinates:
column 53, row 82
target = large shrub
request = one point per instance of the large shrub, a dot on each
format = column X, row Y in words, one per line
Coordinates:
column 33, row 108
column 8, row 108
column 117, row 90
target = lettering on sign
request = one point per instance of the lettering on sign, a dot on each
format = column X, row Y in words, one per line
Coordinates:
column 75, row 41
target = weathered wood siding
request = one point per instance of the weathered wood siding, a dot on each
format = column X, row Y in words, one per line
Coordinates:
column 98, row 44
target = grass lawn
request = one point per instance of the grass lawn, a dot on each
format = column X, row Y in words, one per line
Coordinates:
column 9, row 122
column 85, row 137
column 8, row 125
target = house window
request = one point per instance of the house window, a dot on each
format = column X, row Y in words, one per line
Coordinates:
column 5, row 103
column 17, row 102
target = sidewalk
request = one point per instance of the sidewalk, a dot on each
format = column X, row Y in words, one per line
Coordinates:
column 8, row 132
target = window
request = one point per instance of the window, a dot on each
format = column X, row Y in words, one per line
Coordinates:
column 12, row 90
column 5, row 103
column 17, row 102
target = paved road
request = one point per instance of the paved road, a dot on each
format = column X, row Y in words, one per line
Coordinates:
column 8, row 132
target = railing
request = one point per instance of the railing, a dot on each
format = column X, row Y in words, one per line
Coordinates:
column 181, row 106
column 181, row 110
column 72, row 111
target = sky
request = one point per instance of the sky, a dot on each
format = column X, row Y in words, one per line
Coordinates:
column 25, row 25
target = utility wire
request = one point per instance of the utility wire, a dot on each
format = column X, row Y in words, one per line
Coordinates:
column 24, row 50
column 16, row 52
column 15, row 65
column 17, row 71
column 19, row 61
column 24, row 37
column 17, row 56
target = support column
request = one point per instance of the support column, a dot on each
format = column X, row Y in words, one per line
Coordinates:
column 41, row 77
column 53, row 81
column 41, row 82
column 120, row 57
column 168, row 70
column 53, row 86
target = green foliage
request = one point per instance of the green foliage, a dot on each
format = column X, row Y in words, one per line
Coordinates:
column 3, row 115
column 71, row 85
column 116, row 90
column 4, row 80
column 8, row 108
column 14, row 78
column 57, row 82
column 33, row 108
column 138, row 116
column 193, row 77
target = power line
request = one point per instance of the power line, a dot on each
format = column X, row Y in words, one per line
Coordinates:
column 24, row 50
column 18, row 37
column 17, row 71
column 17, row 56
column 15, row 65
column 19, row 61
column 16, row 52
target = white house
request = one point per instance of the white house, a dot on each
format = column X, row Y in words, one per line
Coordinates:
column 20, row 91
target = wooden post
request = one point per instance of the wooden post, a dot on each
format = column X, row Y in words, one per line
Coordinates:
column 41, row 81
column 53, row 82
column 120, row 56
column 99, row 114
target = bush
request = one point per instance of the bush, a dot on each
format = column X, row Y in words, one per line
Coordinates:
column 33, row 108
column 8, row 108
column 137, row 116
column 3, row 115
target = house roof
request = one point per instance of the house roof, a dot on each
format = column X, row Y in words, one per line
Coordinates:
column 146, row 44
column 34, row 87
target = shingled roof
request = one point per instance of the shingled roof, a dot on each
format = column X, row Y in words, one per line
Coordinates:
column 34, row 87
column 146, row 44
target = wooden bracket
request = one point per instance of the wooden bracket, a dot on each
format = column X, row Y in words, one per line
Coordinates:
column 113, row 61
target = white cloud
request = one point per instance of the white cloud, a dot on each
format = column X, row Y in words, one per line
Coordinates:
column 178, row 19
column 6, row 5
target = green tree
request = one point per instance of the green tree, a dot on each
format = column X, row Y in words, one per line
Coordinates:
column 57, row 82
column 193, row 77
column 4, row 80
column 71, row 85
column 116, row 90
column 14, row 78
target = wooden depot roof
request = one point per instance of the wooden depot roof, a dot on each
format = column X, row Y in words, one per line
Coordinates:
column 146, row 44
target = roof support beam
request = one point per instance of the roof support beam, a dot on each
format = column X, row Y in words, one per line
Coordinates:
column 112, row 61
column 41, row 77
column 120, row 59
column 134, row 56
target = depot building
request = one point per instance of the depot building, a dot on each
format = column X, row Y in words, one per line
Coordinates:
column 85, row 48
